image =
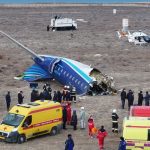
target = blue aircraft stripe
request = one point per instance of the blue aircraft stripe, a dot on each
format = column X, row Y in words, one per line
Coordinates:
column 35, row 72
column 77, row 70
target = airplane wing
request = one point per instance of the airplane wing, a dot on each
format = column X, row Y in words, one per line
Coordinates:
column 34, row 73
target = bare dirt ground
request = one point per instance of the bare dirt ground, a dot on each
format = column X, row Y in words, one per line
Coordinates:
column 127, row 63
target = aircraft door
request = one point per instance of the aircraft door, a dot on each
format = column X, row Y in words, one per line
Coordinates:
column 52, row 65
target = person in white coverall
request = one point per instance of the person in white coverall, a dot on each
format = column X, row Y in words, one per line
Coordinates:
column 82, row 118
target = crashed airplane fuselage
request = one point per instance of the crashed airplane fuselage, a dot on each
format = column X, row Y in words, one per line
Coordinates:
column 66, row 71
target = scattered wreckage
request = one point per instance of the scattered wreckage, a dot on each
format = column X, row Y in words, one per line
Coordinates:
column 84, row 78
column 138, row 38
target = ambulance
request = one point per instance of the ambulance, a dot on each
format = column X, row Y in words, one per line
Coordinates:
column 140, row 111
column 29, row 120
column 136, row 131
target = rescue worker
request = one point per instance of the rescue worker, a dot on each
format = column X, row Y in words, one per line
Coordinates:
column 115, row 121
column 44, row 87
column 73, row 94
column 147, row 98
column 123, row 97
column 74, row 120
column 64, row 93
column 20, row 97
column 101, row 136
column 64, row 117
column 122, row 144
column 68, row 113
column 90, row 126
column 130, row 98
column 69, row 144
column 140, row 98
column 82, row 118
column 8, row 100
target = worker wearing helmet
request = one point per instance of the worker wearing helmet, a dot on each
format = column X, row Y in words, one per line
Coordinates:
column 115, row 121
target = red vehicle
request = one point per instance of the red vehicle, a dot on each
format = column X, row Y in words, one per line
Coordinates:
column 140, row 111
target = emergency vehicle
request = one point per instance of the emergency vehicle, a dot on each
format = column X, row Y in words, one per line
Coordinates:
column 140, row 111
column 58, row 23
column 29, row 120
column 136, row 131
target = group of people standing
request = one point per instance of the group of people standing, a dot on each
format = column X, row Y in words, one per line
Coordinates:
column 70, row 117
column 8, row 99
column 68, row 94
column 130, row 97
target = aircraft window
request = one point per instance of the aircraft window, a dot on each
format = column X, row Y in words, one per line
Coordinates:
column 85, row 87
column 79, row 82
column 70, row 77
column 58, row 68
column 61, row 70
column 67, row 74
column 73, row 78
column 64, row 72
column 76, row 80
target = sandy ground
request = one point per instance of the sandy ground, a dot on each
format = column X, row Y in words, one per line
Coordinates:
column 127, row 63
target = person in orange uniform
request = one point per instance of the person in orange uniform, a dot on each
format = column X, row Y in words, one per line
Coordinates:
column 68, row 113
column 90, row 126
column 101, row 136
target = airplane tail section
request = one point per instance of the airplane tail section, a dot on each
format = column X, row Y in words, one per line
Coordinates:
column 34, row 73
column 33, row 54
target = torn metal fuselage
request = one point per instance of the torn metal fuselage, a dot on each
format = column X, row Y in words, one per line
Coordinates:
column 67, row 72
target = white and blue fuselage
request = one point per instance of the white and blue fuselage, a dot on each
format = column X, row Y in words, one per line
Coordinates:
column 64, row 70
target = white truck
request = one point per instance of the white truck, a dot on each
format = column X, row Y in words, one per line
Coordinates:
column 58, row 23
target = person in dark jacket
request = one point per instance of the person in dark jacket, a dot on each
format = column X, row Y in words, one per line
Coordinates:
column 69, row 144
column 20, row 97
column 45, row 94
column 74, row 120
column 64, row 117
column 59, row 96
column 68, row 98
column 140, row 98
column 130, row 97
column 115, row 121
column 49, row 96
column 55, row 97
column 8, row 100
column 37, row 95
column 33, row 96
column 147, row 98
column 42, row 97
column 73, row 94
column 122, row 144
column 123, row 97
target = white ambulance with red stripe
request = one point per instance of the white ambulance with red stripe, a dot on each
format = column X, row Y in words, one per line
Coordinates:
column 30, row 120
